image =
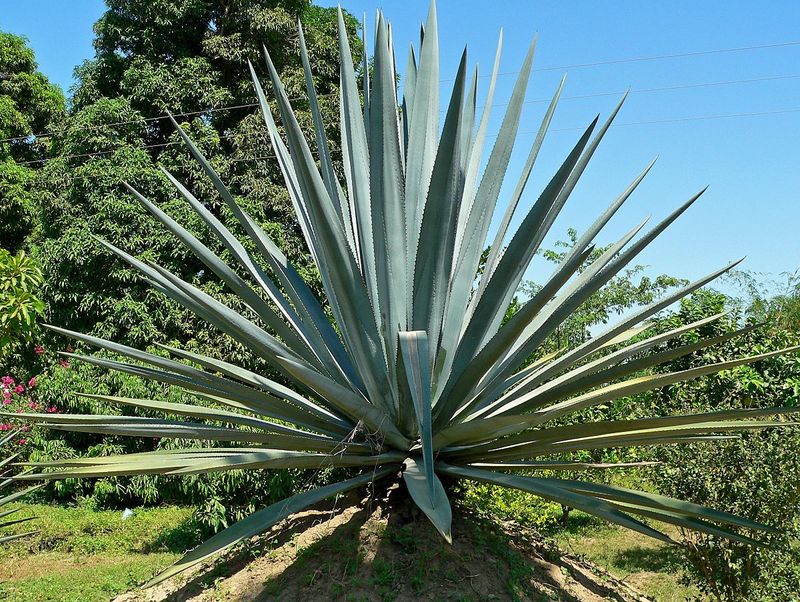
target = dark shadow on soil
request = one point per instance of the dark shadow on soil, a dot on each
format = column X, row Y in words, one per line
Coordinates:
column 242, row 556
column 650, row 559
column 184, row 536
column 386, row 549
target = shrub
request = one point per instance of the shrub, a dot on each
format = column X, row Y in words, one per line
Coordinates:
column 19, row 305
column 754, row 476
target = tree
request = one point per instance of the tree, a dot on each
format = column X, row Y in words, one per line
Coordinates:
column 29, row 103
column 19, row 307
column 189, row 58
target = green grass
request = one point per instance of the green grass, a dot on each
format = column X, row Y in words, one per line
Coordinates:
column 82, row 555
column 650, row 566
column 653, row 567
column 85, row 555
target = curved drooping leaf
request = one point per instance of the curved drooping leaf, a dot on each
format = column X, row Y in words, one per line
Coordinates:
column 16, row 495
column 414, row 351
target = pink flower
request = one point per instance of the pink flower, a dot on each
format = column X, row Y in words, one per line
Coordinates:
column 19, row 389
column 33, row 405
column 23, row 441
column 64, row 363
column 25, row 428
column 6, row 401
column 5, row 426
column 38, row 349
column 52, row 409
column 32, row 382
column 7, row 380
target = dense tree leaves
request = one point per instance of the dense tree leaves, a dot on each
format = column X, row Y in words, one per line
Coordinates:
column 28, row 104
column 755, row 476
column 188, row 57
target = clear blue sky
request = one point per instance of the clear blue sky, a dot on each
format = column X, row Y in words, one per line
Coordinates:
column 752, row 163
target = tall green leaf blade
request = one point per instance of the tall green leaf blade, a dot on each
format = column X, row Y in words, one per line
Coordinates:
column 364, row 60
column 456, row 388
column 610, row 366
column 236, row 284
column 356, row 159
column 498, row 345
column 604, row 337
column 422, row 137
column 483, row 206
column 387, row 188
column 244, row 376
column 328, row 172
column 341, row 277
column 588, row 236
column 434, row 253
column 503, row 422
column 206, row 413
column 497, row 245
column 587, row 283
column 175, row 464
column 408, row 96
column 234, row 395
column 587, row 430
column 291, row 279
column 414, row 350
column 466, row 215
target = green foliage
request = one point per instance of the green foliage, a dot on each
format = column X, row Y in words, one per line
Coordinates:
column 29, row 104
column 755, row 476
column 184, row 57
column 20, row 306
column 220, row 499
column 424, row 374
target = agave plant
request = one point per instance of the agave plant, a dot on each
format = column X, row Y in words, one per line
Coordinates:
column 7, row 498
column 418, row 374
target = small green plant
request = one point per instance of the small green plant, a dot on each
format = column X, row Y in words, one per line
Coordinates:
column 19, row 305
column 420, row 374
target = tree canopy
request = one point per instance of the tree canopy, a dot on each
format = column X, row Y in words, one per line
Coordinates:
column 29, row 103
column 190, row 58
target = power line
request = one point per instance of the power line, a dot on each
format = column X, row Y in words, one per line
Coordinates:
column 662, row 89
column 147, row 119
column 623, row 124
column 655, row 57
column 684, row 119
column 501, row 104
column 96, row 153
column 553, row 68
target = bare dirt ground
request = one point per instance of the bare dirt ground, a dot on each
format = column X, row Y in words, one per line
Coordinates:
column 365, row 552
